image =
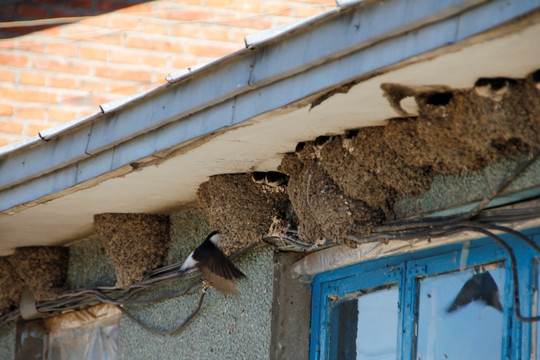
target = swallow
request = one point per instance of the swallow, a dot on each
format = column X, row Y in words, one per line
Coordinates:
column 215, row 267
column 493, row 88
column 481, row 287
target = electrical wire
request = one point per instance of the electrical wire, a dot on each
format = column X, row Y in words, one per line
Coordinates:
column 162, row 277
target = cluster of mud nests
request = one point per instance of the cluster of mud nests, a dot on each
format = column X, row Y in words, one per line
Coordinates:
column 135, row 243
column 346, row 184
column 241, row 207
column 331, row 187
column 42, row 269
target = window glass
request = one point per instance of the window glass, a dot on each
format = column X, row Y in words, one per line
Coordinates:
column 460, row 315
column 365, row 327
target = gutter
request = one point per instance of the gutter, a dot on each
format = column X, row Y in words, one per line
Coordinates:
column 275, row 70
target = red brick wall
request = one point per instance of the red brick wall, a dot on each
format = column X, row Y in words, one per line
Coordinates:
column 60, row 73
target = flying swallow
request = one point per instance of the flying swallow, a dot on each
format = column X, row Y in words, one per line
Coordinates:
column 481, row 287
column 216, row 268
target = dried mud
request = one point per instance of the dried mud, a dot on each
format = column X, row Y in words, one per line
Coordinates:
column 11, row 286
column 344, row 184
column 42, row 268
column 240, row 209
column 134, row 243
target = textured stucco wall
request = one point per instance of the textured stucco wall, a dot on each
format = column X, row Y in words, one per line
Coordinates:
column 7, row 342
column 225, row 328
column 465, row 189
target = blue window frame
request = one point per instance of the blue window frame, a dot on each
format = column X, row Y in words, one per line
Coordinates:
column 399, row 307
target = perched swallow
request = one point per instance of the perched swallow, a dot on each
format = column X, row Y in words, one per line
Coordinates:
column 481, row 287
column 216, row 268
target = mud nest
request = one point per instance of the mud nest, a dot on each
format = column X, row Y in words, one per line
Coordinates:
column 346, row 184
column 241, row 209
column 11, row 286
column 42, row 268
column 134, row 243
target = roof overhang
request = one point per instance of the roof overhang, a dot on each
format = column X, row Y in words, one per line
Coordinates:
column 244, row 111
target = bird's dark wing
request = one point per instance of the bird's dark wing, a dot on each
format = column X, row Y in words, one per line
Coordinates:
column 490, row 291
column 479, row 287
column 469, row 292
column 212, row 258
column 226, row 286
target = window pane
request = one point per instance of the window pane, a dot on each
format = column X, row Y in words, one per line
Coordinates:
column 365, row 327
column 460, row 316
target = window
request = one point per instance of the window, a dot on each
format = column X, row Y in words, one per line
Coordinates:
column 451, row 302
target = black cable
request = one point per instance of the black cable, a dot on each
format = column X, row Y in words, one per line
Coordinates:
column 515, row 275
column 82, row 298
column 165, row 332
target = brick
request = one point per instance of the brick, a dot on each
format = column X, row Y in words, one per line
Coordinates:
column 190, row 15
column 67, row 50
column 190, row 2
column 211, row 50
column 31, row 113
column 247, row 6
column 8, row 44
column 62, row 82
column 201, row 32
column 155, row 60
column 277, row 8
column 159, row 77
column 139, row 9
column 52, row 31
column 98, row 100
column 149, row 43
column 61, row 66
column 124, row 57
column 148, row 27
column 85, row 113
column 34, row 129
column 31, row 45
column 89, row 34
column 28, row 78
column 219, row 3
column 7, row 75
column 31, row 11
column 123, row 22
column 124, row 89
column 101, row 21
column 305, row 11
column 4, row 141
column 329, row 3
column 146, row 87
column 92, row 53
column 24, row 95
column 10, row 127
column 6, row 110
column 109, row 39
column 93, row 86
column 122, row 74
column 59, row 115
column 252, row 22
column 13, row 60
column 183, row 62
column 238, row 35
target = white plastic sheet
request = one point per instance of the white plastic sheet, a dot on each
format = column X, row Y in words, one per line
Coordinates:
column 340, row 256
column 90, row 334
